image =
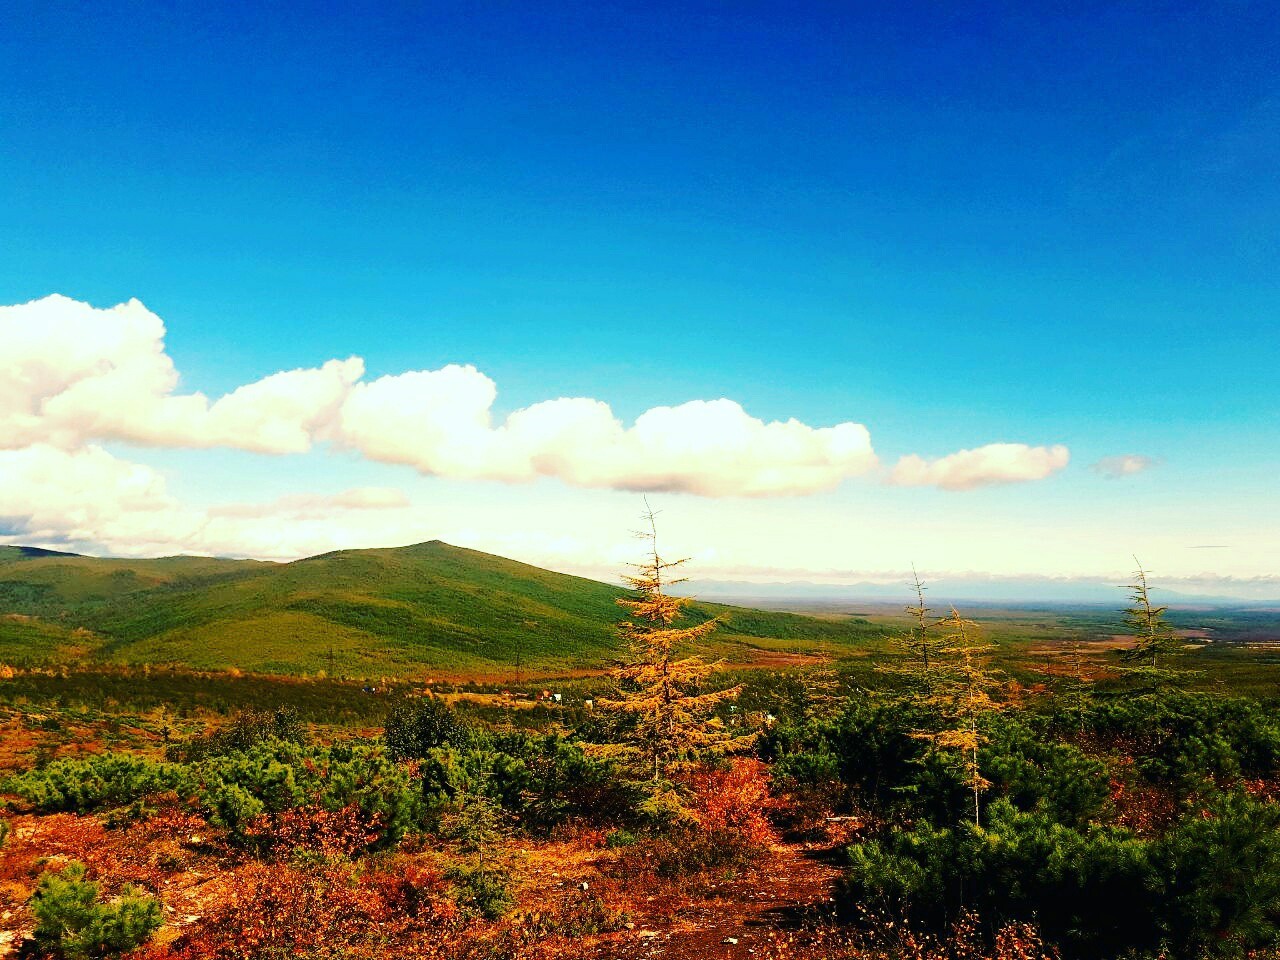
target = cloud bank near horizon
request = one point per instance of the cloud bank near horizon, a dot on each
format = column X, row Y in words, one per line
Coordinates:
column 90, row 500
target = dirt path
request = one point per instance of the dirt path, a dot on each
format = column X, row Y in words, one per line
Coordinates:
column 740, row 915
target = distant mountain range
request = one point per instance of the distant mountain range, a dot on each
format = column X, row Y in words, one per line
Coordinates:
column 1021, row 591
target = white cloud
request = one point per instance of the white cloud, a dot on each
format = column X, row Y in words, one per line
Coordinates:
column 51, row 495
column 440, row 422
column 73, row 377
column 1114, row 468
column 434, row 420
column 994, row 463
column 70, row 374
column 90, row 500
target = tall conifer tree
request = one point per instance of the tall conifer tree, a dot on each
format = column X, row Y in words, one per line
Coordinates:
column 1154, row 640
column 662, row 684
column 962, row 695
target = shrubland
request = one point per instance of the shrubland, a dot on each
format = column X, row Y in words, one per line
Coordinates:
column 1148, row 830
column 938, row 803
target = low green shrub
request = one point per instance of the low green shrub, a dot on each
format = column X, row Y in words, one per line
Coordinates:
column 1179, row 736
column 72, row 922
column 273, row 777
column 617, row 839
column 1210, row 887
column 1085, row 888
column 1217, row 875
column 239, row 788
column 566, row 784
column 485, row 892
column 1036, row 771
column 477, row 823
column 107, row 779
column 418, row 725
column 543, row 781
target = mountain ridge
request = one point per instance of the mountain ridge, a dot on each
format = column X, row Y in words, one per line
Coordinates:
column 424, row 607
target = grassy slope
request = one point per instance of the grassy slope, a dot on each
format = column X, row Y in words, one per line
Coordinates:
column 392, row 611
column 42, row 581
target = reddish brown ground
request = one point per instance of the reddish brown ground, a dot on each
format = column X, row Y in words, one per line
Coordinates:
column 740, row 917
column 735, row 913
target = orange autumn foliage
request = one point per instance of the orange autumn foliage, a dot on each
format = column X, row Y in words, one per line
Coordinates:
column 734, row 801
column 326, row 910
column 346, row 831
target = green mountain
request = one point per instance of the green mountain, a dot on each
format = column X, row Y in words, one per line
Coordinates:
column 401, row 611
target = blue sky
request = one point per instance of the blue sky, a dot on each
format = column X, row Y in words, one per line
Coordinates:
column 1020, row 225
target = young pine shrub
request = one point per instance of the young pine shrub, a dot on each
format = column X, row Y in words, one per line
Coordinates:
column 1151, row 658
column 481, row 891
column 566, row 786
column 103, row 780
column 72, row 922
column 247, row 729
column 1087, row 888
column 476, row 825
column 920, row 652
column 961, row 695
column 418, row 725
column 248, row 791
column 1218, row 874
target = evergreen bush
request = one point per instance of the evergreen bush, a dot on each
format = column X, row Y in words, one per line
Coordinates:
column 72, row 922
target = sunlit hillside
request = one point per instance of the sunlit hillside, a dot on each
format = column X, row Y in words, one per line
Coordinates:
column 397, row 611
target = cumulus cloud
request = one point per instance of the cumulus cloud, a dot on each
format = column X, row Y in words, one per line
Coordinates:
column 51, row 495
column 994, row 463
column 72, row 375
column 440, row 422
column 1114, row 468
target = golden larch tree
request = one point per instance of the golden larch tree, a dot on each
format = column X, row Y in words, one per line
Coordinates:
column 662, row 685
column 825, row 693
column 962, row 688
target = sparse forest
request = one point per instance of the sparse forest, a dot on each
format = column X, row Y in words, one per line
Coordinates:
column 928, row 796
